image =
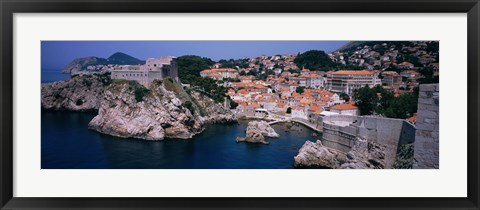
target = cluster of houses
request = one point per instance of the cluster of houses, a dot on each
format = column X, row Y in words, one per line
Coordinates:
column 261, row 64
column 311, row 103
column 299, row 95
column 382, row 56
column 386, row 57
column 306, row 94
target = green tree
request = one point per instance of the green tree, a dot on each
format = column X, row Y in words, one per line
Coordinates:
column 289, row 110
column 189, row 106
column 300, row 90
column 366, row 100
column 189, row 67
column 315, row 60
column 252, row 72
column 380, row 101
column 233, row 104
column 344, row 96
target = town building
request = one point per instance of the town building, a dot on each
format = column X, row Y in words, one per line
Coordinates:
column 153, row 69
column 392, row 79
column 220, row 73
column 345, row 109
column 348, row 80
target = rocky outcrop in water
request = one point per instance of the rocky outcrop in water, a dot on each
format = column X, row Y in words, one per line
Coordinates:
column 80, row 93
column 364, row 155
column 257, row 131
column 315, row 155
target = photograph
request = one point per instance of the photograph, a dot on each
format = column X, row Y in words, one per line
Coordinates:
column 240, row 104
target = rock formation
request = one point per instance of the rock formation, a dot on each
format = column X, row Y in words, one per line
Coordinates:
column 152, row 115
column 257, row 131
column 127, row 109
column 315, row 155
column 81, row 93
column 214, row 112
column 364, row 155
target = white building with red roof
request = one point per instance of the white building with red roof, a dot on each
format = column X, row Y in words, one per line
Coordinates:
column 348, row 80
column 345, row 109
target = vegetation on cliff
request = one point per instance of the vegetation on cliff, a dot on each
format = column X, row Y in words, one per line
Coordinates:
column 189, row 67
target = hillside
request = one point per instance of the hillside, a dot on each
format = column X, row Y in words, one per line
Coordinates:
column 82, row 64
column 388, row 55
column 123, row 59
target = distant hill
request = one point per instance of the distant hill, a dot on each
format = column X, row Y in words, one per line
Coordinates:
column 123, row 59
column 82, row 63
column 351, row 45
column 117, row 58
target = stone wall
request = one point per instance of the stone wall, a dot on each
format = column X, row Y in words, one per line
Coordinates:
column 139, row 76
column 340, row 132
column 337, row 132
column 427, row 134
column 338, row 137
column 387, row 132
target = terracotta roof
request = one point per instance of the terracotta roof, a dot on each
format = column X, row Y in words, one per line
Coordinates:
column 347, row 106
column 405, row 63
column 314, row 108
column 413, row 118
column 246, row 77
column 352, row 72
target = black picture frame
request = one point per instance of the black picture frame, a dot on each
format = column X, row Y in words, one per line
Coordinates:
column 10, row 7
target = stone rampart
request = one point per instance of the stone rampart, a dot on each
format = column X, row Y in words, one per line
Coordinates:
column 340, row 132
column 427, row 124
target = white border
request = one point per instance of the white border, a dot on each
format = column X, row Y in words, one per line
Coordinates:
column 449, row 181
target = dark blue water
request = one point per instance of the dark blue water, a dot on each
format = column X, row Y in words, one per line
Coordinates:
column 68, row 144
column 53, row 75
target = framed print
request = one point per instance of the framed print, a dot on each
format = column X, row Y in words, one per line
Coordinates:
column 239, row 105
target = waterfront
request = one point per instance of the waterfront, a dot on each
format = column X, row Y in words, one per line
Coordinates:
column 68, row 144
column 53, row 75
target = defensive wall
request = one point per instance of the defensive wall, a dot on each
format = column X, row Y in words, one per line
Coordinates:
column 340, row 132
column 427, row 136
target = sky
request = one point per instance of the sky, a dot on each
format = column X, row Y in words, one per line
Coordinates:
column 58, row 54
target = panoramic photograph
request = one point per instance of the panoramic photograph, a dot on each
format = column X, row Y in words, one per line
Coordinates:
column 240, row 104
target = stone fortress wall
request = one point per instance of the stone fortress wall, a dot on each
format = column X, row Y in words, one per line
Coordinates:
column 340, row 132
column 154, row 68
column 427, row 135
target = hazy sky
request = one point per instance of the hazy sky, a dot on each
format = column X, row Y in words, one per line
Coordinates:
column 57, row 54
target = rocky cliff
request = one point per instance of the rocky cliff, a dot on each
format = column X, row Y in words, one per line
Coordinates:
column 214, row 112
column 127, row 109
column 81, row 93
column 363, row 155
